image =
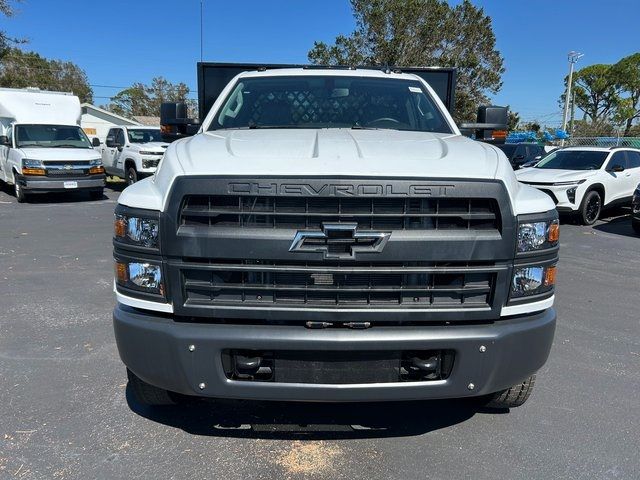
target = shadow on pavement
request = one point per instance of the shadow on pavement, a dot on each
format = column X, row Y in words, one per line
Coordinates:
column 311, row 421
column 116, row 186
column 617, row 226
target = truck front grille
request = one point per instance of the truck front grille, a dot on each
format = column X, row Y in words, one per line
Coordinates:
column 253, row 211
column 419, row 285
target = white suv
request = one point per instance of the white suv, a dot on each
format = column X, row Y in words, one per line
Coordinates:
column 584, row 180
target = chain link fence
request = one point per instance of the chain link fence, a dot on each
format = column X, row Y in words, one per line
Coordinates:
column 603, row 142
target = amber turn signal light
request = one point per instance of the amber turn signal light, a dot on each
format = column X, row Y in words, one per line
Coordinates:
column 32, row 171
column 122, row 274
column 119, row 227
column 95, row 170
column 554, row 232
column 550, row 276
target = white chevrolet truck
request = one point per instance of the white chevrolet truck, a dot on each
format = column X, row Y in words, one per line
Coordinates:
column 132, row 152
column 329, row 235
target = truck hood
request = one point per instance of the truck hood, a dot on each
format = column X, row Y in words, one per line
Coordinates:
column 544, row 175
column 332, row 153
column 336, row 152
column 155, row 146
column 61, row 154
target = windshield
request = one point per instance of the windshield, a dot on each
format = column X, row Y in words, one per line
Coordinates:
column 144, row 136
column 330, row 102
column 51, row 136
column 573, row 160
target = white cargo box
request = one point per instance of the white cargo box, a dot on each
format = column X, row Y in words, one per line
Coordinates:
column 31, row 105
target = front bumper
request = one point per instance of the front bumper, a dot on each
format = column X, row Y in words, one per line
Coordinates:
column 560, row 197
column 156, row 349
column 49, row 184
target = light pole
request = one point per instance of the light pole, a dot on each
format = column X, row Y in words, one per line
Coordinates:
column 573, row 58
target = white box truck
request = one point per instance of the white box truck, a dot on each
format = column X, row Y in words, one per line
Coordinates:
column 42, row 147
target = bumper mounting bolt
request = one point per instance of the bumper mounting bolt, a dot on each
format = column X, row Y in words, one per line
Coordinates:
column 192, row 348
column 483, row 349
column 201, row 386
column 471, row 386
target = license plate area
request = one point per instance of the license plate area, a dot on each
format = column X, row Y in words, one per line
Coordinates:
column 70, row 184
column 337, row 367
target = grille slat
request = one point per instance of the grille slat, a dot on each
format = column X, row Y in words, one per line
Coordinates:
column 246, row 282
column 253, row 211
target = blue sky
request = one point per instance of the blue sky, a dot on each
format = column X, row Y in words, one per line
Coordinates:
column 119, row 42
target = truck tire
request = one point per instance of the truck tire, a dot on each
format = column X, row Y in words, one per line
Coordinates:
column 590, row 208
column 148, row 394
column 96, row 194
column 21, row 197
column 636, row 226
column 132, row 175
column 511, row 397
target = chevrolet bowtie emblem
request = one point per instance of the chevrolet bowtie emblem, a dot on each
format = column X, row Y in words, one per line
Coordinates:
column 339, row 241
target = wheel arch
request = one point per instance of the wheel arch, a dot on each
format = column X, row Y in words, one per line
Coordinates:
column 598, row 187
column 130, row 161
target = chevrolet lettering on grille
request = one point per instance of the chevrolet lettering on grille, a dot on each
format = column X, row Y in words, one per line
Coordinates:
column 339, row 241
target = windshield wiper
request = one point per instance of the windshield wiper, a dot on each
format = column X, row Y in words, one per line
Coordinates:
column 66, row 146
column 22, row 145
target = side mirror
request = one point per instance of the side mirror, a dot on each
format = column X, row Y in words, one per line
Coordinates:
column 95, row 142
column 4, row 141
column 110, row 142
column 617, row 168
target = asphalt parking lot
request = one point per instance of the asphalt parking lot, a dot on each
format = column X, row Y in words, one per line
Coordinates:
column 65, row 411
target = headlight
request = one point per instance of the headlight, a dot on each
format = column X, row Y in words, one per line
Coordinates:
column 96, row 162
column 30, row 163
column 532, row 280
column 136, row 227
column 140, row 276
column 32, row 167
column 572, row 182
column 142, row 232
column 534, row 236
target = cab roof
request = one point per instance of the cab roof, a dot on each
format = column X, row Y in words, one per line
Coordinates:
column 329, row 72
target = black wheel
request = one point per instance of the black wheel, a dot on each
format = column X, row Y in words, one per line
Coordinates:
column 96, row 194
column 21, row 197
column 511, row 397
column 148, row 394
column 590, row 208
column 132, row 175
column 636, row 226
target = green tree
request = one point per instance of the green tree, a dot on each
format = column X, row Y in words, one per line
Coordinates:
column 514, row 120
column 6, row 41
column 596, row 92
column 19, row 69
column 626, row 75
column 531, row 127
column 423, row 33
column 145, row 100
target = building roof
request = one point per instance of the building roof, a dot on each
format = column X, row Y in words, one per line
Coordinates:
column 107, row 115
column 147, row 120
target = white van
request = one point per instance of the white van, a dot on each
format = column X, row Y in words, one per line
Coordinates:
column 42, row 147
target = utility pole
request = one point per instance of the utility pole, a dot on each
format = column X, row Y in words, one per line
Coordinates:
column 573, row 58
column 201, row 29
column 573, row 112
